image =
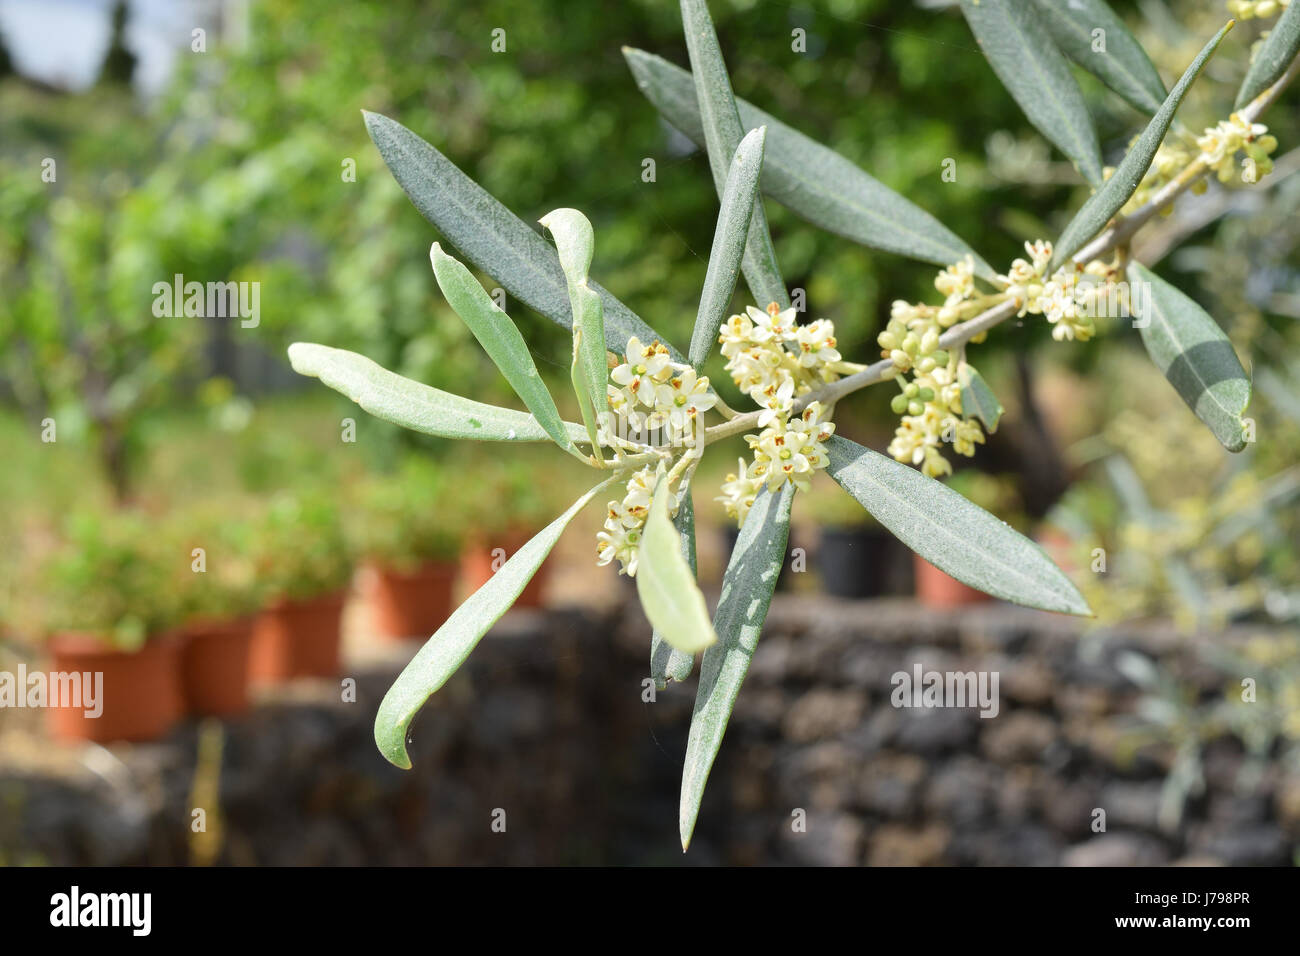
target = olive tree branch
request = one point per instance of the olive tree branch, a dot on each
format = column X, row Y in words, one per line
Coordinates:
column 1108, row 240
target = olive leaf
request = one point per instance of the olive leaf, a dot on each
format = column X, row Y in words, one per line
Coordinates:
column 414, row 405
column 666, row 584
column 667, row 662
column 1115, row 192
column 978, row 400
column 575, row 244
column 501, row 339
column 957, row 537
column 747, row 588
column 1120, row 63
column 1273, row 56
column 729, row 240
column 810, row 179
column 448, row 648
column 722, row 135
column 1026, row 60
column 490, row 235
column 1195, row 356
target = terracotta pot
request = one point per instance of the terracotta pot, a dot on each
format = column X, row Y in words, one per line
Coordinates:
column 477, row 561
column 214, row 666
column 297, row 639
column 405, row 605
column 140, row 696
column 936, row 589
column 1058, row 546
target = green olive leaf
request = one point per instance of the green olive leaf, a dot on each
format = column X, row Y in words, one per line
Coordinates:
column 722, row 135
column 1027, row 61
column 957, row 537
column 501, row 339
column 1195, row 356
column 1118, row 60
column 443, row 653
column 747, row 588
column 414, row 405
column 1115, row 192
column 666, row 585
column 1273, row 57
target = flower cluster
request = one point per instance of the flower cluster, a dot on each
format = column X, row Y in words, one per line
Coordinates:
column 1263, row 9
column 1062, row 298
column 911, row 339
column 1219, row 144
column 789, row 449
column 930, row 401
column 624, row 521
column 776, row 361
column 652, row 392
column 651, row 397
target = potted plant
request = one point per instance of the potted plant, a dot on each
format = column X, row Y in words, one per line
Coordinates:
column 107, row 615
column 409, row 548
column 855, row 555
column 303, row 563
column 508, row 508
column 218, row 593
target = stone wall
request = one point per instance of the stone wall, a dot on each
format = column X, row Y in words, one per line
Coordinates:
column 547, row 722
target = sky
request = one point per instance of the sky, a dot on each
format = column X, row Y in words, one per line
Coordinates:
column 62, row 42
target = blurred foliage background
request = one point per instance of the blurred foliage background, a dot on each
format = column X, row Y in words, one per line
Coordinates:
column 239, row 169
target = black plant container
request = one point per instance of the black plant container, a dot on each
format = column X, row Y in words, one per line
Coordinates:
column 859, row 562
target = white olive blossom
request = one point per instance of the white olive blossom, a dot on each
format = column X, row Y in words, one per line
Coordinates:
column 775, row 361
